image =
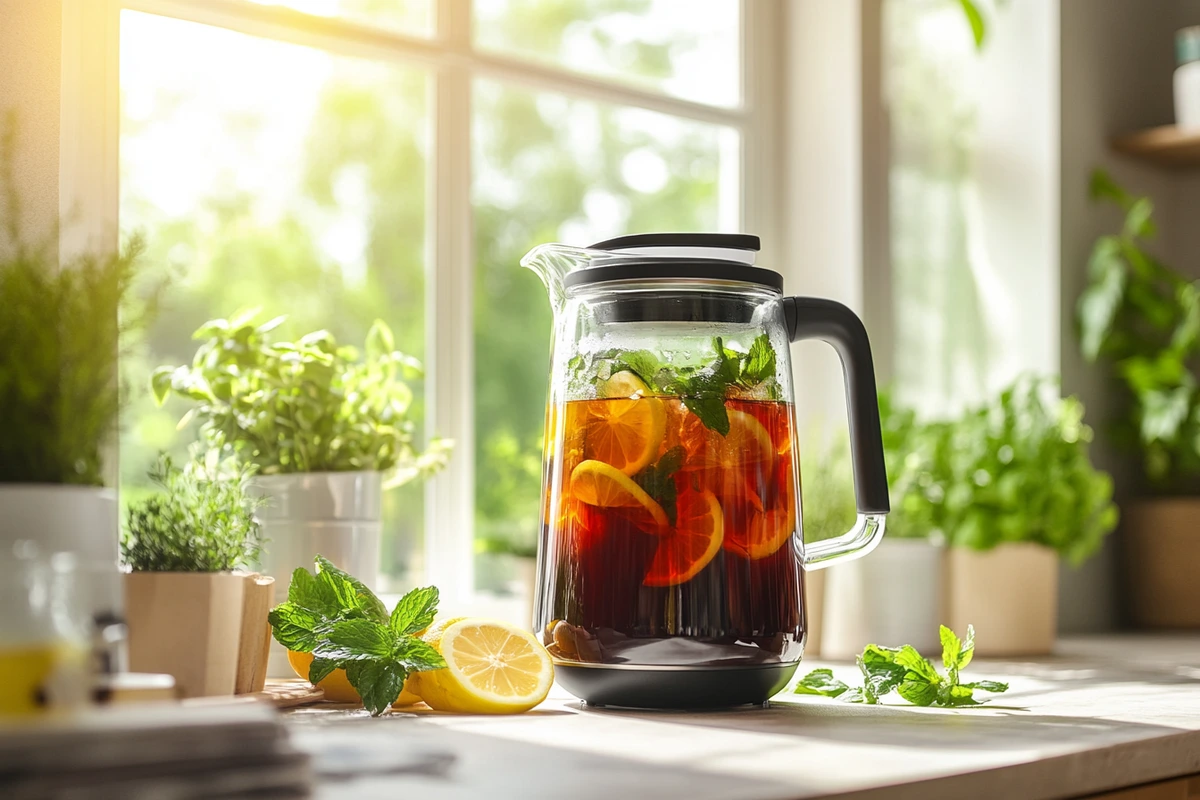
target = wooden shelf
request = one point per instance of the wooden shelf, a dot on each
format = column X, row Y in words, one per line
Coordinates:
column 1166, row 146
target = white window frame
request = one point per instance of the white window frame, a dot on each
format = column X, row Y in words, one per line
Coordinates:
column 89, row 188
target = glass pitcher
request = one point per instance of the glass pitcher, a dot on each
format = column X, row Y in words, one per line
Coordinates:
column 671, row 560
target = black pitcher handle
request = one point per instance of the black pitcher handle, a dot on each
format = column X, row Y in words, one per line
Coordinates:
column 834, row 323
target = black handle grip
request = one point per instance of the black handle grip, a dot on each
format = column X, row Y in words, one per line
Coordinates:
column 832, row 322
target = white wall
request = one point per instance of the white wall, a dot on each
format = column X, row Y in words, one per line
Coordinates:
column 30, row 50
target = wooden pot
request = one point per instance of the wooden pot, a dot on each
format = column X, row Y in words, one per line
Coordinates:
column 1162, row 550
column 187, row 625
column 1010, row 595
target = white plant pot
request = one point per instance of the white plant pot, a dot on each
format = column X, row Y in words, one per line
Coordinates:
column 77, row 519
column 891, row 597
column 337, row 515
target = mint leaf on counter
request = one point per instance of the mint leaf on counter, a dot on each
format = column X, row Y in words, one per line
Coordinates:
column 308, row 591
column 356, row 640
column 907, row 672
column 351, row 593
column 821, row 682
column 378, row 683
column 415, row 611
column 294, row 627
column 319, row 670
column 344, row 625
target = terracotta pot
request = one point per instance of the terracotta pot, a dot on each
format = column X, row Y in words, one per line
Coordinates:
column 1010, row 595
column 814, row 609
column 187, row 625
column 1162, row 549
column 891, row 597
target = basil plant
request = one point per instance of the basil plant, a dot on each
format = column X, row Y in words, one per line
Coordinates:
column 306, row 406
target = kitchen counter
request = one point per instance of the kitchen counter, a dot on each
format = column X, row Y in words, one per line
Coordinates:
column 1105, row 713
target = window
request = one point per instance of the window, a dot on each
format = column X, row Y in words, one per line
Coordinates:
column 343, row 160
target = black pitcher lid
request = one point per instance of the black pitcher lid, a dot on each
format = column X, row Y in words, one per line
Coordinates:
column 703, row 256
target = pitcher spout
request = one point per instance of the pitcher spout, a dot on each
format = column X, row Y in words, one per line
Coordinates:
column 552, row 263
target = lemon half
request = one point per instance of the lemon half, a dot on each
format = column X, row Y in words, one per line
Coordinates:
column 492, row 667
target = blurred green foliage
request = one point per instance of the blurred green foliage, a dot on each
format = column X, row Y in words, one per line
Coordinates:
column 60, row 326
column 1144, row 318
column 304, row 406
column 1013, row 469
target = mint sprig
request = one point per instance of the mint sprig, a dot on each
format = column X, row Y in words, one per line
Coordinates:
column 344, row 625
column 907, row 672
column 703, row 387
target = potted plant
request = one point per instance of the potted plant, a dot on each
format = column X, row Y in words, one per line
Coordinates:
column 61, row 326
column 1016, row 490
column 185, row 599
column 1143, row 317
column 323, row 426
column 860, row 597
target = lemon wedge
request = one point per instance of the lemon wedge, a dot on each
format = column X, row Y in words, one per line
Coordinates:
column 491, row 668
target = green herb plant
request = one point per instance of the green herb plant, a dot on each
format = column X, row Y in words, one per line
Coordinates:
column 201, row 521
column 905, row 671
column 703, row 387
column 305, row 406
column 61, row 329
column 345, row 626
column 1143, row 317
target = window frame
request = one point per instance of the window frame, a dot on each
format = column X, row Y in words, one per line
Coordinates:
column 89, row 190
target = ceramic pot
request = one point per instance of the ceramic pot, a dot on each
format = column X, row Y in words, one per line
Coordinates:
column 77, row 519
column 1010, row 595
column 1162, row 549
column 891, row 598
column 187, row 625
column 338, row 515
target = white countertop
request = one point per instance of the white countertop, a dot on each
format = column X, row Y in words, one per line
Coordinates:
column 1104, row 713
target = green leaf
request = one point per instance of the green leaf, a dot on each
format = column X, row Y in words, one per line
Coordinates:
column 918, row 691
column 295, row 628
column 967, row 651
column 975, row 20
column 1103, row 187
column 760, row 363
column 306, row 591
column 881, row 672
column 415, row 611
column 857, row 696
column 380, row 341
column 988, row 686
column 1138, row 222
column 642, row 363
column 958, row 696
column 319, row 669
column 351, row 592
column 160, row 383
column 356, row 640
column 657, row 480
column 710, row 410
column 951, row 645
column 378, row 683
column 821, row 682
column 417, row 655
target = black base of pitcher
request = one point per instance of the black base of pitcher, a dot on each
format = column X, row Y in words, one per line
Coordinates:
column 673, row 687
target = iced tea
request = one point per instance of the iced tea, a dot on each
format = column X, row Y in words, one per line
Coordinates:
column 668, row 530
